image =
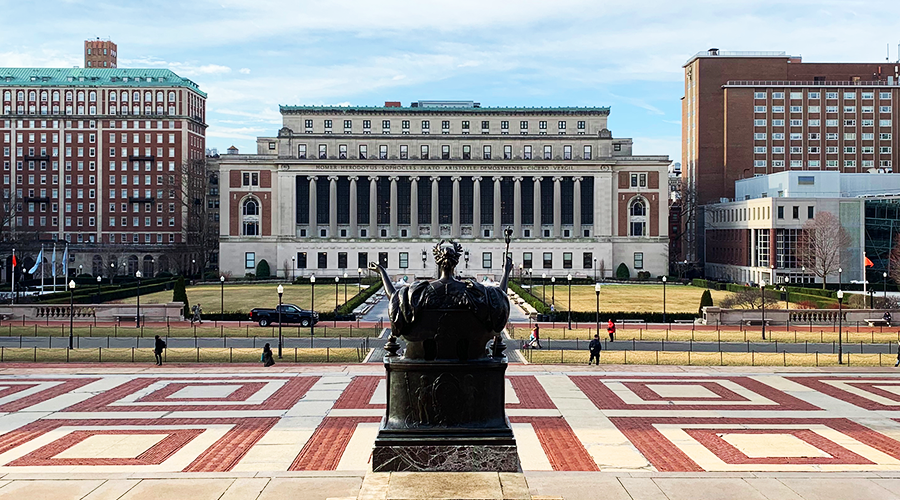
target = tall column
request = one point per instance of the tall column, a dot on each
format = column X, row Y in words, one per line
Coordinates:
column 537, row 207
column 373, row 206
column 557, row 206
column 476, row 207
column 414, row 207
column 435, row 225
column 394, row 232
column 313, row 206
column 354, row 231
column 517, row 207
column 498, row 227
column 576, row 206
column 455, row 231
column 332, row 206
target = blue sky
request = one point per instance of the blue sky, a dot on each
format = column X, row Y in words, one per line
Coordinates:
column 251, row 56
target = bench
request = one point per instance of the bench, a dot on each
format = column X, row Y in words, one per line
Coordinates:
column 877, row 322
column 754, row 322
column 632, row 321
column 687, row 321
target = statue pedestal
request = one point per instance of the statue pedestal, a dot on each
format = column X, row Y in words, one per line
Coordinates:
column 445, row 416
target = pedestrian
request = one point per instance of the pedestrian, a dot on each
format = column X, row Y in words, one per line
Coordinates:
column 158, row 347
column 611, row 330
column 898, row 356
column 267, row 358
column 535, row 339
column 887, row 317
column 196, row 316
column 595, row 346
column 552, row 311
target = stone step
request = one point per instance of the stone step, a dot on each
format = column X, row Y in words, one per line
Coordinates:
column 445, row 486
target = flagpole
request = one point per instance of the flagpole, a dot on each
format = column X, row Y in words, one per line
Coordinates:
column 53, row 267
column 14, row 276
column 864, row 276
column 41, row 267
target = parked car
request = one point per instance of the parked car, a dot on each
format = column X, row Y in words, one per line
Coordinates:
column 289, row 314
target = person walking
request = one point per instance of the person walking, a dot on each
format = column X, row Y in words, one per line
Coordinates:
column 594, row 347
column 158, row 346
column 267, row 358
column 611, row 330
column 887, row 317
column 196, row 310
column 535, row 339
column 898, row 356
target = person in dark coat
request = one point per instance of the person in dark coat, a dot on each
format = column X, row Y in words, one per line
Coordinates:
column 267, row 358
column 158, row 347
column 887, row 317
column 611, row 330
column 595, row 346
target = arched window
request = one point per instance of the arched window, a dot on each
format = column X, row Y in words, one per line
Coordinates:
column 171, row 96
column 44, row 96
column 136, row 96
column 250, row 217
column 20, row 95
column 32, row 96
column 159, row 95
column 55, row 95
column 637, row 217
column 124, row 96
column 97, row 268
column 148, row 96
column 69, row 95
column 112, row 96
column 92, row 96
column 7, row 95
column 81, row 97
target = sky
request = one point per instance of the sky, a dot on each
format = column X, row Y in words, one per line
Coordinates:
column 252, row 56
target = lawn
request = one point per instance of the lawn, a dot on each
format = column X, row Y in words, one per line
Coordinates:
column 202, row 355
column 685, row 358
column 628, row 298
column 247, row 297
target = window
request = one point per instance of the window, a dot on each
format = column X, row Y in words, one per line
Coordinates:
column 759, row 123
column 777, row 95
column 526, row 153
column 467, row 152
column 638, row 260
column 323, row 151
column 567, row 152
column 587, row 152
column 382, row 152
column 781, row 212
column 404, row 153
column 342, row 151
column 348, row 124
column 249, row 259
column 486, row 260
column 759, row 109
column 527, row 260
column 548, row 260
column 637, row 217
column 548, row 152
column 759, row 95
column 795, row 211
column 424, row 152
column 250, row 178
column 567, row 260
column 445, row 125
column 363, row 151
column 250, row 217
column 322, row 259
column 810, row 212
column 486, row 153
column 404, row 260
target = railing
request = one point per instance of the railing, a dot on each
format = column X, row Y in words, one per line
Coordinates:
column 62, row 312
column 817, row 316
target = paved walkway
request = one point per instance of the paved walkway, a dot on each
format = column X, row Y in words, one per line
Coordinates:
column 119, row 431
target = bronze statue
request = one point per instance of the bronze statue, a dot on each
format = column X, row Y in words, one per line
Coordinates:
column 418, row 311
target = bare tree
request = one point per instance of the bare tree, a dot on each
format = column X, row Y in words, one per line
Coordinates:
column 821, row 243
column 188, row 189
column 895, row 260
column 749, row 298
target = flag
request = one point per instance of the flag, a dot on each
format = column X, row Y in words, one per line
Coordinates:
column 14, row 259
column 65, row 262
column 869, row 263
column 54, row 262
column 37, row 264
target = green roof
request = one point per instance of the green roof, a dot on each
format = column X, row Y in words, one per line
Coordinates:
column 94, row 77
column 435, row 109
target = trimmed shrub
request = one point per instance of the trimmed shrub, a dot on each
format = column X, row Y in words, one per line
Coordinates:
column 705, row 301
column 262, row 269
column 180, row 295
column 622, row 272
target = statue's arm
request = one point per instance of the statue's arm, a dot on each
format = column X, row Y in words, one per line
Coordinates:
column 385, row 279
column 507, row 268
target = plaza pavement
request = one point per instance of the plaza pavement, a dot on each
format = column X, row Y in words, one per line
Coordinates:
column 306, row 431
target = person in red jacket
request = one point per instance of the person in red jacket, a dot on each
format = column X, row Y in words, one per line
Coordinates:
column 611, row 330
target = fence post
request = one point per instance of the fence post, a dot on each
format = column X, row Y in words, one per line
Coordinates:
column 132, row 354
column 231, row 354
column 327, row 354
column 295, row 355
column 35, row 353
column 99, row 354
column 753, row 358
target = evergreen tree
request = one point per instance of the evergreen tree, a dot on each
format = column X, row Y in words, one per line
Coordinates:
column 705, row 301
column 622, row 272
column 262, row 269
column 180, row 295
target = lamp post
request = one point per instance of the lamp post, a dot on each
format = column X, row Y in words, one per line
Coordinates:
column 597, row 319
column 884, row 287
column 521, row 270
column 99, row 279
column 359, row 279
column 312, row 304
column 803, row 277
column 424, row 259
column 531, row 280
column 336, row 280
column 112, row 272
column 71, row 312
column 840, row 296
column 466, row 257
column 137, row 319
column 552, row 295
column 80, row 267
column 194, row 268
column 345, row 288
column 664, row 298
column 595, row 269
column 569, row 303
column 762, row 291
column 840, row 277
column 543, row 287
column 293, row 266
column 280, row 291
column 222, row 296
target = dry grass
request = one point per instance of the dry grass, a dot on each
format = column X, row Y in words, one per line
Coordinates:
column 202, row 355
column 686, row 358
column 821, row 335
column 247, row 297
column 183, row 329
column 628, row 298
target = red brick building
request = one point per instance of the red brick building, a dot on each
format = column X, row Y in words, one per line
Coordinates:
column 100, row 54
column 107, row 156
column 754, row 113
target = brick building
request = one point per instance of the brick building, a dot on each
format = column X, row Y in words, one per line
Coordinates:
column 339, row 187
column 754, row 113
column 100, row 54
column 104, row 159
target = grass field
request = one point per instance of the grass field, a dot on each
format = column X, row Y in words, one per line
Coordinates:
column 247, row 297
column 818, row 334
column 627, row 298
column 201, row 355
column 183, row 329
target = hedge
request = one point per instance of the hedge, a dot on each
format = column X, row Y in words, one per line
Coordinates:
column 712, row 285
column 649, row 317
column 357, row 300
column 533, row 301
column 812, row 291
column 119, row 294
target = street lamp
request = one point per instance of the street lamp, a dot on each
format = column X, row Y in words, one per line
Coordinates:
column 466, row 257
column 71, row 311
column 80, row 267
column 664, row 298
column 359, row 279
column 569, row 303
column 552, row 296
column 99, row 278
column 280, row 291
column 840, row 277
column 595, row 269
column 193, row 268
column 222, row 304
column 884, row 287
column 112, row 273
column 137, row 319
column 543, row 287
column 531, row 280
column 840, row 296
column 597, row 291
column 293, row 266
column 762, row 291
column 424, row 258
column 345, row 288
column 312, row 304
column 336, row 280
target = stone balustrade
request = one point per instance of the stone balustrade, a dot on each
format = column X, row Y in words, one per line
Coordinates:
column 719, row 316
column 90, row 312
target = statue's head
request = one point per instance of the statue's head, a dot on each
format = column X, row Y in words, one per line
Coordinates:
column 446, row 254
